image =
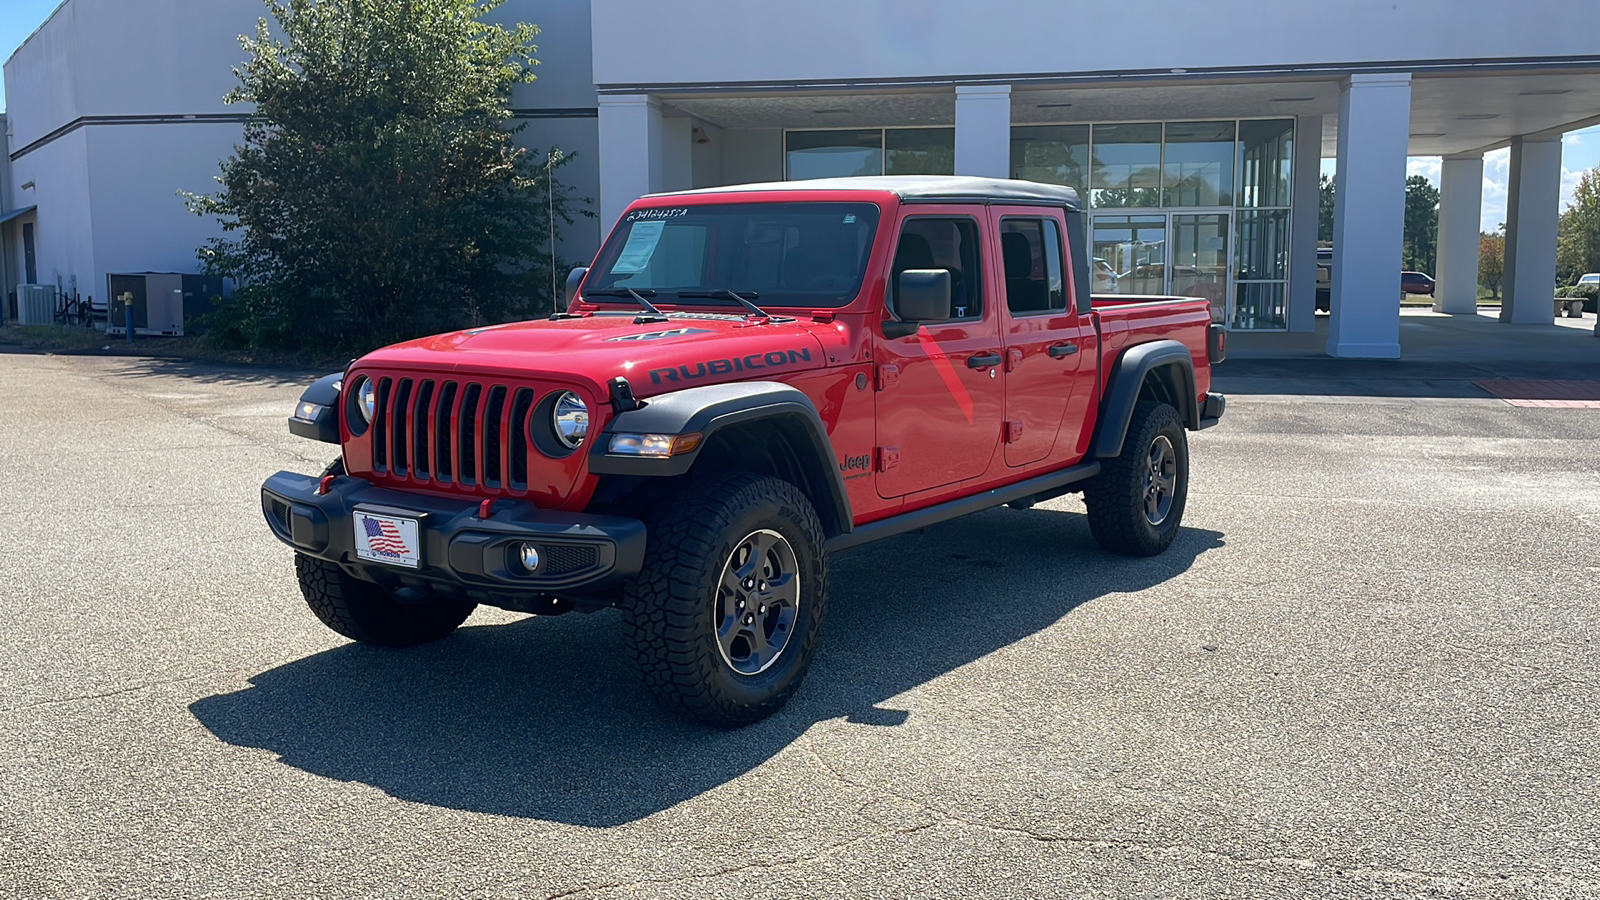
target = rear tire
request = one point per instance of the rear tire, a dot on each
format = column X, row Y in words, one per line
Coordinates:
column 371, row 614
column 723, row 619
column 1136, row 502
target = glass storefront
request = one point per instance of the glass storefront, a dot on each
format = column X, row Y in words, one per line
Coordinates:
column 841, row 153
column 1213, row 200
column 1198, row 208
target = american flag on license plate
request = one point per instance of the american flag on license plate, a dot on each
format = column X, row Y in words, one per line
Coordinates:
column 384, row 537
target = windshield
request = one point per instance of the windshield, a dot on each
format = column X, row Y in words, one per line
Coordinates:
column 778, row 254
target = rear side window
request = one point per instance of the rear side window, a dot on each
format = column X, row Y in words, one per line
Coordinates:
column 934, row 242
column 1031, row 249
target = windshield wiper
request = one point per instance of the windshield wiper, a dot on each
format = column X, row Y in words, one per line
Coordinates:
column 652, row 314
column 743, row 298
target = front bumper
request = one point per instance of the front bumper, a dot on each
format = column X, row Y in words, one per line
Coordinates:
column 580, row 554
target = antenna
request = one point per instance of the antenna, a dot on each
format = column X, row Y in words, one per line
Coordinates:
column 550, row 194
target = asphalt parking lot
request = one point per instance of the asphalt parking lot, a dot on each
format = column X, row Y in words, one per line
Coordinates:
column 1368, row 667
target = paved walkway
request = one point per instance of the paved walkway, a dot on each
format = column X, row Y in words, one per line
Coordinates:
column 1441, row 356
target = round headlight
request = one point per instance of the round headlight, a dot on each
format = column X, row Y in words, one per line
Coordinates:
column 570, row 418
column 366, row 399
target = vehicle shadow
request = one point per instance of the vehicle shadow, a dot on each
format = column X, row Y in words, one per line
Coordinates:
column 542, row 718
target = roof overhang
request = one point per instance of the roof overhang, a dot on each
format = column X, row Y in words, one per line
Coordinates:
column 16, row 213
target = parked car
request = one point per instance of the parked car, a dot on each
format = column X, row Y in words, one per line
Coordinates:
column 749, row 380
column 1416, row 283
column 1324, row 279
column 1105, row 277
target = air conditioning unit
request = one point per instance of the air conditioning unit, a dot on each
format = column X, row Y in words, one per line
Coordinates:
column 36, row 304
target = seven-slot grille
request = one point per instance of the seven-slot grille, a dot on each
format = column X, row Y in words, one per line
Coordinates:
column 452, row 433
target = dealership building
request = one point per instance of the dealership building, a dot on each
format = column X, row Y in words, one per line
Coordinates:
column 1194, row 131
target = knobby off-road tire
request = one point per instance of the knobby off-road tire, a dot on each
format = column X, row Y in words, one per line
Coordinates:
column 718, row 542
column 1136, row 502
column 369, row 613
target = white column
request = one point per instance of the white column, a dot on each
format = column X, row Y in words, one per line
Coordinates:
column 983, row 130
column 1532, row 216
column 1460, row 211
column 1369, row 216
column 677, row 166
column 1303, row 218
column 630, row 152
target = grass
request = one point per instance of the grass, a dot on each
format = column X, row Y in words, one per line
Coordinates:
column 64, row 339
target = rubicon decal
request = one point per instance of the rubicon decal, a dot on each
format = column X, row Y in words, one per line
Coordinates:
column 753, row 362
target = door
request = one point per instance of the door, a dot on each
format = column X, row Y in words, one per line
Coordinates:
column 1199, row 260
column 1043, row 339
column 1160, row 254
column 1134, row 248
column 942, row 395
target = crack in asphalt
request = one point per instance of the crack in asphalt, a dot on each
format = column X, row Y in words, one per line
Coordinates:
column 778, row 863
column 83, row 698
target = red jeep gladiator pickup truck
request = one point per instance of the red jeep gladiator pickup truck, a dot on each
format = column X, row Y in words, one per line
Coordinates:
column 748, row 380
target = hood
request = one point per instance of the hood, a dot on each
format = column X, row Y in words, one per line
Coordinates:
column 688, row 350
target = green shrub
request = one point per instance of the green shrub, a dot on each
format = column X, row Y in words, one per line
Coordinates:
column 1589, row 292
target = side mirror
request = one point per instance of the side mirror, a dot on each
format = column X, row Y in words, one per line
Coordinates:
column 920, row 295
column 574, row 278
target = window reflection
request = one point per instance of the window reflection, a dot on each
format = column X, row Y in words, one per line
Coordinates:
column 1127, row 166
column 1199, row 164
column 1051, row 154
column 919, row 151
column 1267, row 152
column 833, row 154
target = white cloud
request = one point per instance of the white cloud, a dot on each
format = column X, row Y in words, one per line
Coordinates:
column 1496, row 177
column 1426, row 166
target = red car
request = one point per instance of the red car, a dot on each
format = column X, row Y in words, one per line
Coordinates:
column 1416, row 283
column 748, row 381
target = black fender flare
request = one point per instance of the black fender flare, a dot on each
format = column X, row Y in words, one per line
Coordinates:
column 1170, row 360
column 712, row 408
column 324, row 425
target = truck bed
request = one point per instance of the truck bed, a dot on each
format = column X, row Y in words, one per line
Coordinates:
column 1124, row 320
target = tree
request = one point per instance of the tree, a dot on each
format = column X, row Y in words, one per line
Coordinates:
column 1421, row 246
column 1578, row 240
column 378, row 194
column 1327, row 186
column 1492, row 260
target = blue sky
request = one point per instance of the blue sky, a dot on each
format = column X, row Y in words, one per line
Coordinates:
column 1580, row 152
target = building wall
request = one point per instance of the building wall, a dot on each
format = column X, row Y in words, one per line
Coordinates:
column 107, row 187
column 752, row 156
column 649, row 42
column 63, row 236
column 140, row 223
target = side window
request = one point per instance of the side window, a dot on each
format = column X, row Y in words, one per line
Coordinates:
column 945, row 243
column 1031, row 249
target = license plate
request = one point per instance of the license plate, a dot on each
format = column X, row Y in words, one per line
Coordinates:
column 388, row 539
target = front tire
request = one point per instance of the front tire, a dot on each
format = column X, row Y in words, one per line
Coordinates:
column 371, row 614
column 723, row 619
column 1136, row 502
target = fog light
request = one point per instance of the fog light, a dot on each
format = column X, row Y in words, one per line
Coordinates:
column 309, row 412
column 530, row 557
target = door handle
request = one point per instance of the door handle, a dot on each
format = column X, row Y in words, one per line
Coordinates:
column 1057, row 351
column 983, row 360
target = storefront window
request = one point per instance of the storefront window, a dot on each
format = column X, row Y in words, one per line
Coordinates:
column 1051, row 154
column 1258, row 306
column 1198, row 168
column 919, row 151
column 833, row 154
column 1263, row 245
column 1266, row 150
column 1127, row 166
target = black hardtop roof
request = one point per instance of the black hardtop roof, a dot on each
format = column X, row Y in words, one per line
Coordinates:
column 916, row 189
